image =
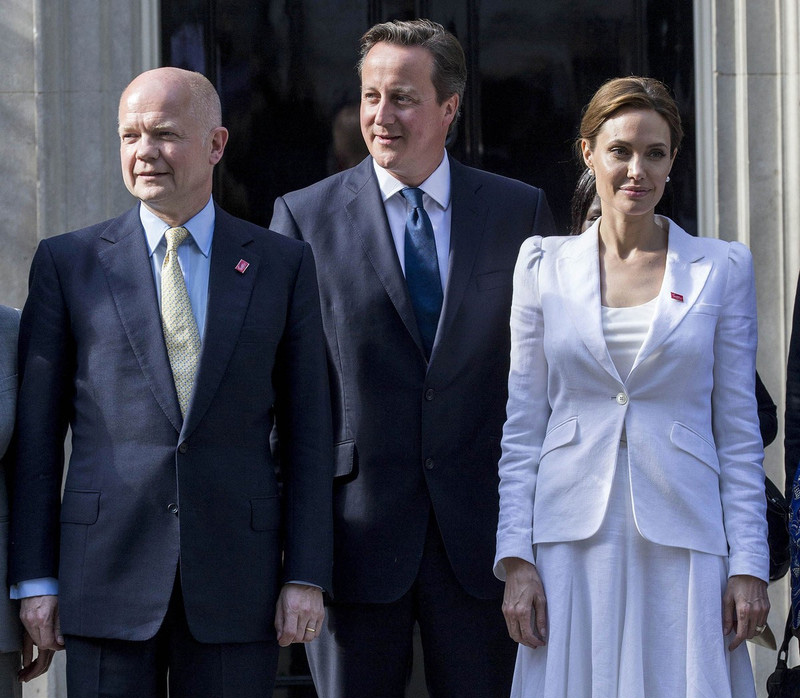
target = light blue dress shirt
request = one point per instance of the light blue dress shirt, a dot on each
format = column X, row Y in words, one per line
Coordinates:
column 194, row 255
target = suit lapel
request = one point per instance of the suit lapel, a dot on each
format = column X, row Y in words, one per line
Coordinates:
column 367, row 218
column 684, row 278
column 467, row 225
column 228, row 298
column 124, row 258
column 579, row 284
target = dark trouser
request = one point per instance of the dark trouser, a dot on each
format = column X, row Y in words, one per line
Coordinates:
column 365, row 650
column 102, row 668
column 10, row 664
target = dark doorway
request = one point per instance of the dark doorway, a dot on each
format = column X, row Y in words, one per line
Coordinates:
column 285, row 72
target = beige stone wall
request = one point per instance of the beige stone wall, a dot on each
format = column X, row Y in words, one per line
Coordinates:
column 65, row 63
column 749, row 182
column 18, row 156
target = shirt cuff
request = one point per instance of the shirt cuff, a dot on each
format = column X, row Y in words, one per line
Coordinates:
column 43, row 586
column 308, row 584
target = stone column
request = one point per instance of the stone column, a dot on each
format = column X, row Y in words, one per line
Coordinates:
column 17, row 148
column 65, row 63
column 748, row 128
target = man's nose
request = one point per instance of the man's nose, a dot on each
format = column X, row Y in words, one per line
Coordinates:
column 383, row 112
column 147, row 148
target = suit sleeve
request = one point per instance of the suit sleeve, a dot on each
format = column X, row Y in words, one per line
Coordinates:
column 543, row 224
column 527, row 412
column 304, row 433
column 792, row 418
column 282, row 220
column 46, row 367
column 735, row 421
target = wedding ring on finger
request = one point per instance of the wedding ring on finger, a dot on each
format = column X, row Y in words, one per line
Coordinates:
column 760, row 629
column 313, row 630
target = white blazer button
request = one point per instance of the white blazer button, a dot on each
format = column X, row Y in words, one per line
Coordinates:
column 622, row 399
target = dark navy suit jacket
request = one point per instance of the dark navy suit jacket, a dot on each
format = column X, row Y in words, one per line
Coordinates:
column 146, row 490
column 412, row 436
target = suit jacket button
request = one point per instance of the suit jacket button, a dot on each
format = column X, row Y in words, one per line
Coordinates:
column 429, row 394
column 172, row 508
column 622, row 399
column 183, row 447
column 429, row 463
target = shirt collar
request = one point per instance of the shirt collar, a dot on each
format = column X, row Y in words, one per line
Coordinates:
column 437, row 186
column 200, row 227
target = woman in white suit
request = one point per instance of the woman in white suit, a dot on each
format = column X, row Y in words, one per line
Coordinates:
column 632, row 531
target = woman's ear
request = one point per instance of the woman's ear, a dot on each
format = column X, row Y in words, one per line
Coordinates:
column 587, row 154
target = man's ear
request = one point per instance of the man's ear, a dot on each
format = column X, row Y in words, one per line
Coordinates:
column 219, row 137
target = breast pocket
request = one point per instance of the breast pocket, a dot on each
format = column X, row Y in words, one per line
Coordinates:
column 251, row 334
column 705, row 309
column 494, row 279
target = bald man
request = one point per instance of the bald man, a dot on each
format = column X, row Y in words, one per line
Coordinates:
column 170, row 340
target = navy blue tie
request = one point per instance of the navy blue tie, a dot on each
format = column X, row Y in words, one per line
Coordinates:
column 422, row 268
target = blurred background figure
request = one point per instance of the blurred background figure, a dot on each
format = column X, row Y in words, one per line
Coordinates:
column 585, row 205
column 348, row 147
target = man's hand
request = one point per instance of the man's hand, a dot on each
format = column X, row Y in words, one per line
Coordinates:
column 39, row 615
column 33, row 667
column 299, row 614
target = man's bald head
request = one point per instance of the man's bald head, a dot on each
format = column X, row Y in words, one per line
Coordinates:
column 202, row 99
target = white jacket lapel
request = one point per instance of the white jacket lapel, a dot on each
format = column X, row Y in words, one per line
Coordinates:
column 684, row 278
column 579, row 282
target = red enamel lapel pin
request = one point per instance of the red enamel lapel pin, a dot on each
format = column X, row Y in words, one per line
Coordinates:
column 241, row 267
column 676, row 297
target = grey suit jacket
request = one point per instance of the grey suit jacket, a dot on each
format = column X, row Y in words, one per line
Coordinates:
column 10, row 633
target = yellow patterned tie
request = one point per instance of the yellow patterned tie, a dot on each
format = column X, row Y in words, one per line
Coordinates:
column 180, row 328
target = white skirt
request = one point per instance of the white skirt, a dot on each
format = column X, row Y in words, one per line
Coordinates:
column 630, row 618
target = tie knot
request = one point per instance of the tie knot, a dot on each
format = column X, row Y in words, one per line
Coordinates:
column 413, row 195
column 175, row 236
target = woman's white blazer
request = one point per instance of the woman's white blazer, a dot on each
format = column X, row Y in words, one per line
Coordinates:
column 687, row 409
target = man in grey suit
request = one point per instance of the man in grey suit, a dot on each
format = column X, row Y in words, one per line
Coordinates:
column 415, row 256
column 13, row 668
